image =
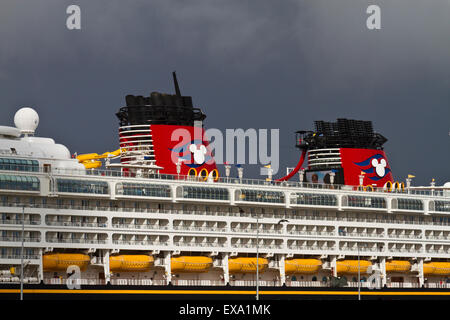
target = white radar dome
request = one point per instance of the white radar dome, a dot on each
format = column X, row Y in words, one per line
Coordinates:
column 26, row 120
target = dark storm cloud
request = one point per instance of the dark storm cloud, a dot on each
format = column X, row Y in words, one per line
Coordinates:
column 247, row 64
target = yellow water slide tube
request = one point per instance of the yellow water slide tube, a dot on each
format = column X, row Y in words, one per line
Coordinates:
column 191, row 264
column 246, row 265
column 133, row 263
column 351, row 266
column 90, row 160
column 293, row 266
column 61, row 261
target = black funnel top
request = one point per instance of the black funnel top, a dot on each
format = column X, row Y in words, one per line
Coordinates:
column 344, row 133
column 160, row 108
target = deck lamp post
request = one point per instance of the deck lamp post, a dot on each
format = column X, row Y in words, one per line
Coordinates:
column 302, row 176
column 227, row 170
column 408, row 182
column 332, row 174
column 178, row 168
column 240, row 170
column 361, row 179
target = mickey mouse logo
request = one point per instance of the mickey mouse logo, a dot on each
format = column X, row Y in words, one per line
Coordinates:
column 199, row 154
column 375, row 166
column 379, row 167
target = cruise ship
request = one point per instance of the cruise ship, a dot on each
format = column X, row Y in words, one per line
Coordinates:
column 154, row 218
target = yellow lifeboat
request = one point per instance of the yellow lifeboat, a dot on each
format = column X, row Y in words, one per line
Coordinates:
column 351, row 266
column 136, row 263
column 61, row 261
column 247, row 265
column 436, row 268
column 292, row 266
column 191, row 264
column 398, row 266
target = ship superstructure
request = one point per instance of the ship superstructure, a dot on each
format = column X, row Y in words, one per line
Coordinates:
column 138, row 225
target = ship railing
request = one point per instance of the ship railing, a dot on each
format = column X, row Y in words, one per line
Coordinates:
column 252, row 283
column 363, row 284
column 254, row 230
column 122, row 281
column 306, row 284
column 253, row 245
column 402, row 285
column 26, row 256
column 18, row 221
column 71, row 240
column 140, row 242
column 80, row 281
column 312, row 233
column 438, row 237
column 361, row 248
column 199, row 212
column 437, row 285
column 187, row 228
column 309, row 248
column 137, row 282
column 17, row 279
column 361, row 234
column 406, row 250
column 190, row 282
column 139, row 226
column 76, row 224
column 404, row 236
column 437, row 191
column 199, row 244
column 437, row 251
column 19, row 239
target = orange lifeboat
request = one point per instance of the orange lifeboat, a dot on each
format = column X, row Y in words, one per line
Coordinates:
column 436, row 268
column 247, row 265
column 61, row 261
column 126, row 263
column 351, row 266
column 191, row 264
column 305, row 266
column 398, row 266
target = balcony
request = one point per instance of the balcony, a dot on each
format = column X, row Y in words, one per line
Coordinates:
column 18, row 256
column 261, row 246
column 18, row 221
column 253, row 230
column 405, row 236
column 311, row 248
column 361, row 234
column 312, row 233
column 77, row 224
column 19, row 239
column 140, row 242
column 82, row 241
column 140, row 226
column 193, row 228
column 405, row 250
column 199, row 244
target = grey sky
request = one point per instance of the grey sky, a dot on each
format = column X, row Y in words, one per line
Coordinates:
column 247, row 64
